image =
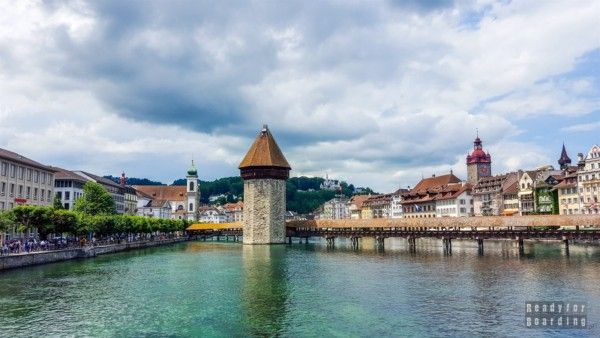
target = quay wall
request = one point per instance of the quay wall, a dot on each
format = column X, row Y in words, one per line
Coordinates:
column 44, row 257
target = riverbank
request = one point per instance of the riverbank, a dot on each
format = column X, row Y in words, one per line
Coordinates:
column 45, row 257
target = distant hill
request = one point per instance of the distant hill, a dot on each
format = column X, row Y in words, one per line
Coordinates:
column 303, row 194
column 135, row 180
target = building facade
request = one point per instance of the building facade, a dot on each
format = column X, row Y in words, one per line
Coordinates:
column 184, row 200
column 336, row 208
column 420, row 201
column 488, row 194
column 589, row 182
column 454, row 200
column 396, row 203
column 23, row 181
column 68, row 187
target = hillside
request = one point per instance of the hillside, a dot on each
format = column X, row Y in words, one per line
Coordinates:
column 303, row 193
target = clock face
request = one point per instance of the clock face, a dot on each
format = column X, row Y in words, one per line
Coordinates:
column 484, row 170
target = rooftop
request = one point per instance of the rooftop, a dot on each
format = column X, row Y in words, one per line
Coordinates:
column 264, row 152
column 12, row 156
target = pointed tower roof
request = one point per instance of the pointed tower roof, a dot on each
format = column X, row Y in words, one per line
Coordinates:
column 564, row 159
column 264, row 152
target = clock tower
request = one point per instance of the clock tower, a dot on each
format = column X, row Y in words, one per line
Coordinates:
column 479, row 163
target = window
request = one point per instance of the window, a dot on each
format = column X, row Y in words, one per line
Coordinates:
column 67, row 195
column 36, row 176
column 191, row 186
column 35, row 194
column 12, row 190
column 49, row 195
column 20, row 191
column 4, row 168
column 43, row 178
column 29, row 174
column 191, row 206
column 12, row 170
column 21, row 173
column 59, row 194
column 67, row 206
column 42, row 194
column 28, row 192
column 3, row 189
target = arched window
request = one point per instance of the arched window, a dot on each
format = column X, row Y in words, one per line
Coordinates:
column 191, row 206
column 180, row 207
column 191, row 186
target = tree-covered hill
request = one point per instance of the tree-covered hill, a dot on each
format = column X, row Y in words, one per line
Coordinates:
column 304, row 194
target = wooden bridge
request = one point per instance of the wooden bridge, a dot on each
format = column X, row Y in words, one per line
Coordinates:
column 518, row 228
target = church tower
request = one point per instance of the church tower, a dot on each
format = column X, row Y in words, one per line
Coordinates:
column 479, row 163
column 564, row 161
column 264, row 170
column 193, row 193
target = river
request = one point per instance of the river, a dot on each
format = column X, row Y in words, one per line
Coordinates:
column 213, row 289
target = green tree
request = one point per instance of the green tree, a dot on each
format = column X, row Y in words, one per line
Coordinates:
column 7, row 221
column 31, row 217
column 95, row 200
column 65, row 221
column 57, row 204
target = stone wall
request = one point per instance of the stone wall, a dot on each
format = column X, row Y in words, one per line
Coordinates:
column 44, row 257
column 264, row 211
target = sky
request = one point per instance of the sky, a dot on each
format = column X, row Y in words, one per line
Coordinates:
column 377, row 93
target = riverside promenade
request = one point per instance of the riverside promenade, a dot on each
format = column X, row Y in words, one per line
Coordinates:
column 43, row 257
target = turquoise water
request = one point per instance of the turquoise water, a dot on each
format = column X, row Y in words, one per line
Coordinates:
column 212, row 289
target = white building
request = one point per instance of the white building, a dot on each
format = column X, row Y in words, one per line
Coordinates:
column 23, row 181
column 154, row 208
column 454, row 200
column 212, row 215
column 333, row 185
column 336, row 208
column 588, row 177
column 68, row 186
column 234, row 211
column 184, row 200
column 396, row 206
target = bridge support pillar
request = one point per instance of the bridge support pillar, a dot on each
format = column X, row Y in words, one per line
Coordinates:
column 330, row 241
column 354, row 242
column 305, row 240
column 480, row 246
column 566, row 241
column 447, row 243
column 521, row 246
column 412, row 244
column 289, row 239
column 380, row 242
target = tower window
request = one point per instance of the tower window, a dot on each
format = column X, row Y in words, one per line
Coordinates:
column 191, row 206
column 191, row 186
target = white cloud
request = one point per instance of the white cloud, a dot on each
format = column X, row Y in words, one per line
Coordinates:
column 370, row 93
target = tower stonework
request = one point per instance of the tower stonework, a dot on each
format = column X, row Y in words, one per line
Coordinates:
column 479, row 163
column 265, row 171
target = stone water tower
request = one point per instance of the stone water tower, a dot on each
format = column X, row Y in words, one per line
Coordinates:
column 264, row 170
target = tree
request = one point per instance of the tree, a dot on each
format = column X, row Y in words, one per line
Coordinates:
column 33, row 217
column 65, row 221
column 95, row 200
column 57, row 205
column 7, row 221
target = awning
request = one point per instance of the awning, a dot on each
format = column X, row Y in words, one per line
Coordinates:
column 214, row 226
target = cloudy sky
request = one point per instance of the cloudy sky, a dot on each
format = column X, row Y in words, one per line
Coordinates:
column 376, row 93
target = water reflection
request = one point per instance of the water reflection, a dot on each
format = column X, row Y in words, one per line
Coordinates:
column 265, row 289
